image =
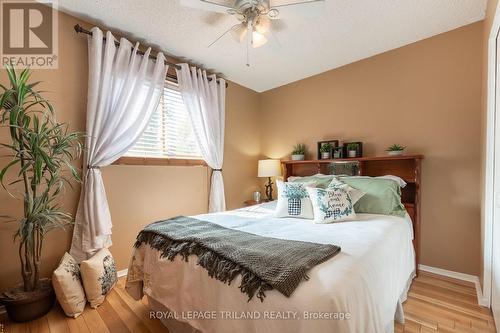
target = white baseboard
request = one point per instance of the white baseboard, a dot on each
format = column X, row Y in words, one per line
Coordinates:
column 121, row 273
column 481, row 300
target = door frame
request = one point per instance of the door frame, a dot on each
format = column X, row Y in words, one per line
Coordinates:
column 490, row 192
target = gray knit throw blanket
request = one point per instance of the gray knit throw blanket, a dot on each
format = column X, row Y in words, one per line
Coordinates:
column 264, row 263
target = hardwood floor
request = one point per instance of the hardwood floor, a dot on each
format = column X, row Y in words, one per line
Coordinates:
column 440, row 304
column 435, row 304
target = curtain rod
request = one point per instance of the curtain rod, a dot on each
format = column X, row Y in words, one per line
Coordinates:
column 79, row 29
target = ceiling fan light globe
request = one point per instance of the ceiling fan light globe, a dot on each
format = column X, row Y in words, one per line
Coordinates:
column 239, row 32
column 258, row 39
column 263, row 24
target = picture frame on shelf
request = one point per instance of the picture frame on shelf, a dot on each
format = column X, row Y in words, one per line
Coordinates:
column 322, row 154
column 353, row 149
column 349, row 168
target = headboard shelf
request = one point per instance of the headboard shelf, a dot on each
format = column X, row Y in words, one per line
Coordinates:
column 408, row 167
column 375, row 158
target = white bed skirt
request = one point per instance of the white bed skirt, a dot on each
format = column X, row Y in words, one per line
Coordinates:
column 178, row 326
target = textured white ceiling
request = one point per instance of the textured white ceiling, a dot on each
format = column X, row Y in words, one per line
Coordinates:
column 346, row 31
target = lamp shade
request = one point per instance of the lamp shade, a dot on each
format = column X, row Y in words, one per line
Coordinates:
column 269, row 168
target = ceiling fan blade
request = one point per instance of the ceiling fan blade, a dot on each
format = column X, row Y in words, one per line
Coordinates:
column 230, row 30
column 300, row 9
column 278, row 25
column 206, row 5
column 214, row 18
column 285, row 3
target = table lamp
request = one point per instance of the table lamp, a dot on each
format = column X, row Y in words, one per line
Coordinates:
column 269, row 168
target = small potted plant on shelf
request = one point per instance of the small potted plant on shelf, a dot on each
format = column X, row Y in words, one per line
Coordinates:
column 395, row 150
column 326, row 151
column 42, row 152
column 352, row 150
column 299, row 152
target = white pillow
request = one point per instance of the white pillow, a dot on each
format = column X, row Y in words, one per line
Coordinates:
column 99, row 276
column 68, row 286
column 332, row 204
column 397, row 179
column 354, row 193
column 293, row 200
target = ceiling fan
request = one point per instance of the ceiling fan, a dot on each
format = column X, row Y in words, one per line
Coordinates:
column 257, row 18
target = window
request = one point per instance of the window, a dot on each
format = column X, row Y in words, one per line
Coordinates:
column 169, row 133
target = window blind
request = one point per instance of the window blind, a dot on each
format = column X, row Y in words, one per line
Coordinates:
column 169, row 133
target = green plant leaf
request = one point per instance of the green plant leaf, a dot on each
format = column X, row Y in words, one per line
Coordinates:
column 43, row 152
column 7, row 167
column 11, row 73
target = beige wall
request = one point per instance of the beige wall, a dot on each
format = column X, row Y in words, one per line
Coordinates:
column 426, row 96
column 137, row 194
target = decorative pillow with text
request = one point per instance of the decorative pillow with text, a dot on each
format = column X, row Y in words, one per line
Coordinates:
column 331, row 205
column 354, row 193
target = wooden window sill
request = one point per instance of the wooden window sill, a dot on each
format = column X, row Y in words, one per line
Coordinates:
column 153, row 161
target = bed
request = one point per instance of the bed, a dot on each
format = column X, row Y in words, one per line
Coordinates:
column 361, row 289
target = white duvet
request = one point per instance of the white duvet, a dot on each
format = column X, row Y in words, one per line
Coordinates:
column 356, row 291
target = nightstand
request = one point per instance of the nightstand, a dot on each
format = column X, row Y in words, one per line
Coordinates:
column 252, row 202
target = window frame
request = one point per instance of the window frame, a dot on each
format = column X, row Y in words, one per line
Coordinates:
column 160, row 161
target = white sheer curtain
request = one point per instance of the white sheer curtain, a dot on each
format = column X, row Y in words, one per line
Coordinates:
column 205, row 101
column 123, row 91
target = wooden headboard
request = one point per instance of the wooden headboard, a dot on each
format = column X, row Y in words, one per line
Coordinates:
column 408, row 167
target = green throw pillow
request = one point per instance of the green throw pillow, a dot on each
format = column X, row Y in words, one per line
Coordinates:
column 321, row 181
column 382, row 196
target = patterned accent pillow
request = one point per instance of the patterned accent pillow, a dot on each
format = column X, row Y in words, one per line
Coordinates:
column 293, row 200
column 331, row 205
column 68, row 286
column 99, row 276
column 354, row 193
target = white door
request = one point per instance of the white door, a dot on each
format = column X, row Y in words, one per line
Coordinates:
column 495, row 274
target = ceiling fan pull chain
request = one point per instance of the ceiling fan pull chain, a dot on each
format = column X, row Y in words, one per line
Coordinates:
column 248, row 54
column 249, row 41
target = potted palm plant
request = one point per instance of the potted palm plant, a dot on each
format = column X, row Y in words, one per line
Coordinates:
column 299, row 152
column 42, row 153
